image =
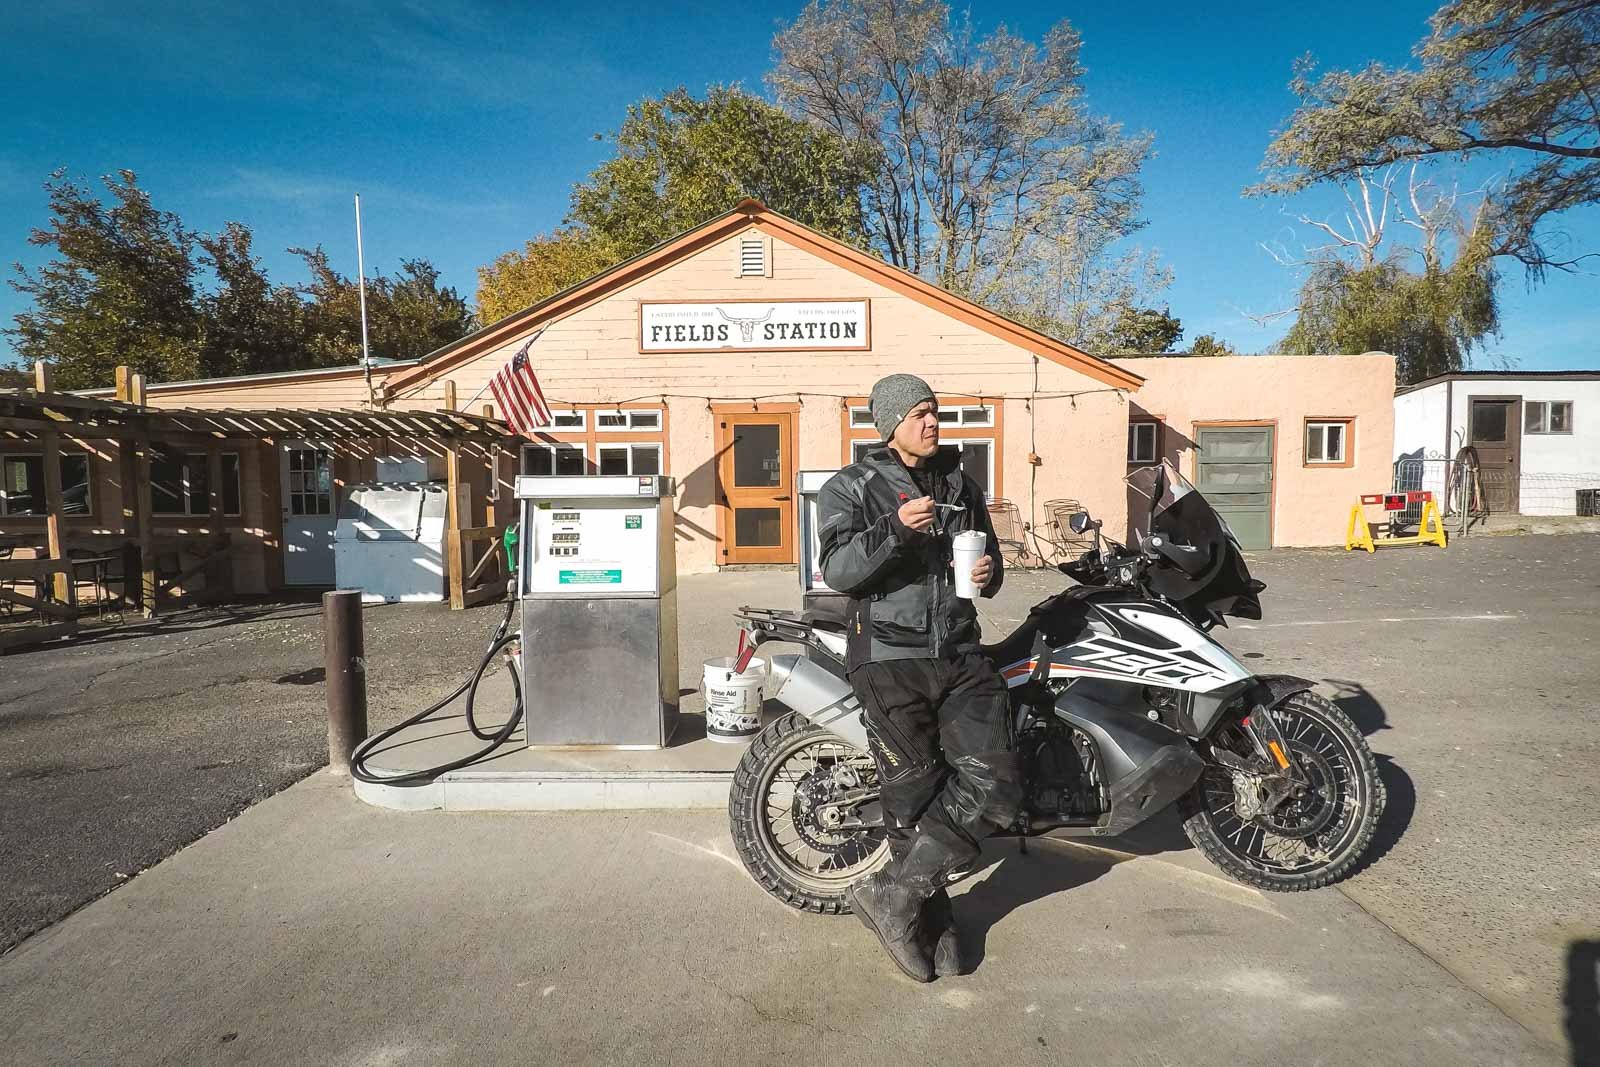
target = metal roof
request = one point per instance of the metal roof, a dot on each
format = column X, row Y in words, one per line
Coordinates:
column 271, row 375
column 1506, row 375
column 25, row 414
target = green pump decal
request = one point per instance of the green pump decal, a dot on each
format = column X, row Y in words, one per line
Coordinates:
column 589, row 577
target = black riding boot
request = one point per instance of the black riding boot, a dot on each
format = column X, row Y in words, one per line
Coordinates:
column 893, row 911
column 939, row 927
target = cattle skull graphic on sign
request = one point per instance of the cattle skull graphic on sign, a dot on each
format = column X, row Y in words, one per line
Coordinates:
column 747, row 327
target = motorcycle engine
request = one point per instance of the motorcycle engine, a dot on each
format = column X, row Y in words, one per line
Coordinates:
column 1063, row 773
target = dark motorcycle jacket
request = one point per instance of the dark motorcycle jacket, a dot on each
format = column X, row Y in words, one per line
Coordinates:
column 903, row 602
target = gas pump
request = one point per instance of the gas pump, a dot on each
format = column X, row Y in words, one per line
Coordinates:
column 815, row 596
column 597, row 585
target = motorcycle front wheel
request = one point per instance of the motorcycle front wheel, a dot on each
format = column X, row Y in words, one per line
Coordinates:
column 1310, row 841
column 785, row 799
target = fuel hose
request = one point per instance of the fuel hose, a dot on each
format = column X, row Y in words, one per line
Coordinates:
column 503, row 637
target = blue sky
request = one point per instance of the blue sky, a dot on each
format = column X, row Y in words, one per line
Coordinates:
column 464, row 125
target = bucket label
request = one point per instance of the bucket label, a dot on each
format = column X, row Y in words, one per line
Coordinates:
column 589, row 577
column 633, row 522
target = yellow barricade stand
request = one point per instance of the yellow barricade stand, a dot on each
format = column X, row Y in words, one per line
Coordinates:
column 1358, row 534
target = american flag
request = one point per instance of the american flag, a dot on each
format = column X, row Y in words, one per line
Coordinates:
column 516, row 390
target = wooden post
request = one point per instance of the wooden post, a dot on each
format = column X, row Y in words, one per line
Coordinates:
column 138, row 389
column 124, row 384
column 457, row 510
column 217, row 562
column 149, row 589
column 51, row 462
column 41, row 375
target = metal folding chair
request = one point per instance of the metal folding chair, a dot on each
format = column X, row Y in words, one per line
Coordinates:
column 1009, row 532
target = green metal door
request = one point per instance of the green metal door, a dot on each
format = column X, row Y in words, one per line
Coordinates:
column 1234, row 473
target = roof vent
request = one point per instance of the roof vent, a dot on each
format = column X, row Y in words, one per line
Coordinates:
column 753, row 258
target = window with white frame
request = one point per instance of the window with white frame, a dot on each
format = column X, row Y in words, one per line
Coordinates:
column 560, row 458
column 1547, row 416
column 1328, row 442
column 1142, row 442
column 566, row 420
column 180, row 484
column 967, row 415
column 22, row 485
column 976, row 458
column 618, row 421
column 629, row 459
column 953, row 415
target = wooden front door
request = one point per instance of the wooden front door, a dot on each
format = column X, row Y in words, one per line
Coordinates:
column 1494, row 428
column 755, row 476
column 1233, row 471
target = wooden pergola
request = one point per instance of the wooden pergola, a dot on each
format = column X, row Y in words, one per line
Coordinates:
column 43, row 416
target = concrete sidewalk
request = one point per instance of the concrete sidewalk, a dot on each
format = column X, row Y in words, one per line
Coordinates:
column 318, row 929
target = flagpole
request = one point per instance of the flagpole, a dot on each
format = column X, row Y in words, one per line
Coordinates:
column 361, row 285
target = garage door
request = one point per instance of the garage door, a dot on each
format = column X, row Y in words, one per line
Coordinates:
column 1235, row 474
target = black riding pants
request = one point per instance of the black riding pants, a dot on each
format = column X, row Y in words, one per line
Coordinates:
column 937, row 731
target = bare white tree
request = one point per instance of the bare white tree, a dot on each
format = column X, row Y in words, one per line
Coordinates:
column 993, row 179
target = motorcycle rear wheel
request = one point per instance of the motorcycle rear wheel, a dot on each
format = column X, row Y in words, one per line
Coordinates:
column 1312, row 842
column 806, row 866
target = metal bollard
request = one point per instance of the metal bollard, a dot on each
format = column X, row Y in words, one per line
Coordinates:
column 345, row 666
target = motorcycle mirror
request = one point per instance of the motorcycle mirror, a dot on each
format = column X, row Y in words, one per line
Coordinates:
column 1079, row 521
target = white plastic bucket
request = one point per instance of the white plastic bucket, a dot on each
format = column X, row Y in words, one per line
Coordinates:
column 733, row 701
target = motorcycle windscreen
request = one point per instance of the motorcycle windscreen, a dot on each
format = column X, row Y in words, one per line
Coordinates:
column 1180, row 513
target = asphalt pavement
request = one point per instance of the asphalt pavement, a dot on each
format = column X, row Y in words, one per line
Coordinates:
column 1470, row 669
column 316, row 929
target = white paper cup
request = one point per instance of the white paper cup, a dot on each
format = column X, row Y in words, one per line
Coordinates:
column 968, row 549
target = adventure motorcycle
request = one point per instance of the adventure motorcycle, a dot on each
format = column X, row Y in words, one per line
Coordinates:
column 1121, row 706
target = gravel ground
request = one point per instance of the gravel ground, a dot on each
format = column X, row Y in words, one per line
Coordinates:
column 121, row 749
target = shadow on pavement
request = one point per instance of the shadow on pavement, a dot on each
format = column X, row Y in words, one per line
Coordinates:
column 1016, row 881
column 1581, row 999
column 181, row 620
column 1356, row 701
column 1052, row 865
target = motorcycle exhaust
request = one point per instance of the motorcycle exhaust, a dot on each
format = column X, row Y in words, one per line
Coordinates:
column 827, row 700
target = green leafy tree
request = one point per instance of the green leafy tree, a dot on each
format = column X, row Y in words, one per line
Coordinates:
column 992, row 179
column 130, row 284
column 408, row 315
column 1210, row 345
column 14, row 377
column 1513, row 81
column 545, row 265
column 251, row 326
column 120, row 290
column 1144, row 330
column 679, row 161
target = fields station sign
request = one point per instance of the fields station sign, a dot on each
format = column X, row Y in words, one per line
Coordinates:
column 755, row 326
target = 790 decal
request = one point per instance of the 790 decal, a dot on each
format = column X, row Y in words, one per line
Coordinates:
column 1107, row 654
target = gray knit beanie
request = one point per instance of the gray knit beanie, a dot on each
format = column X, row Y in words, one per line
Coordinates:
column 893, row 397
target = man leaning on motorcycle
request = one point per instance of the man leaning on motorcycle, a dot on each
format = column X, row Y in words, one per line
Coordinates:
column 935, row 708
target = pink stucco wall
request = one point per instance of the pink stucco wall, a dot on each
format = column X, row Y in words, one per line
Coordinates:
column 1311, row 505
